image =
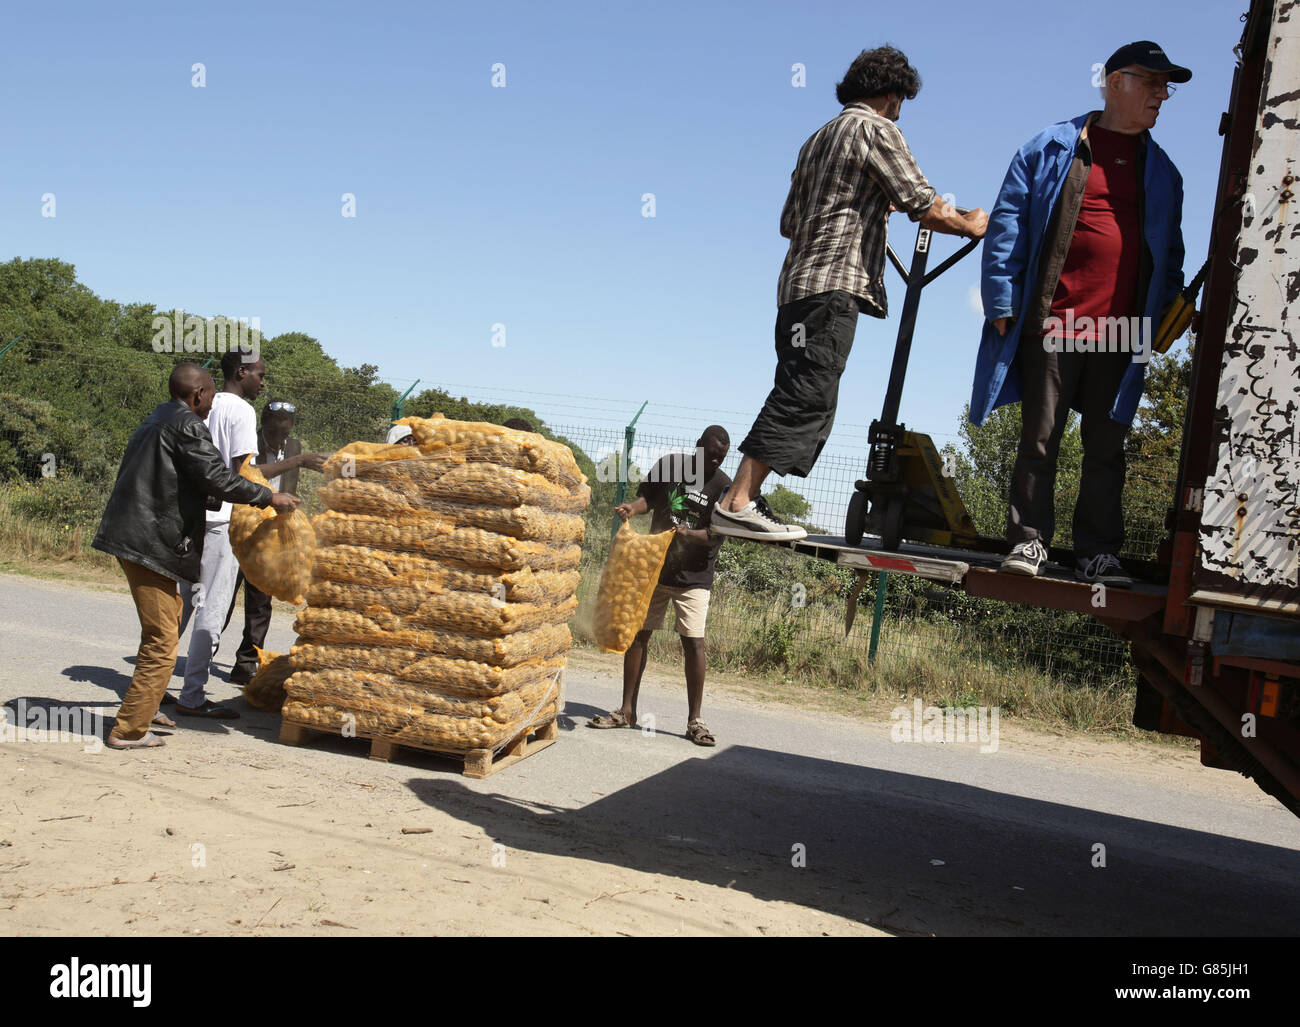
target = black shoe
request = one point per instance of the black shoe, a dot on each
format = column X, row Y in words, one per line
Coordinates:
column 1105, row 569
column 168, row 699
column 242, row 675
column 756, row 521
column 1027, row 558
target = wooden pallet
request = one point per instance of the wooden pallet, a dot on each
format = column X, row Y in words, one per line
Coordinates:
column 477, row 763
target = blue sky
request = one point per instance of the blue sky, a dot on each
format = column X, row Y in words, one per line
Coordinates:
column 522, row 205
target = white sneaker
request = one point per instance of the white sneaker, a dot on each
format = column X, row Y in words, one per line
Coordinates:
column 1027, row 558
column 756, row 521
column 1104, row 568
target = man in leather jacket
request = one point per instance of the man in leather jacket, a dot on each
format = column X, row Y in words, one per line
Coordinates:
column 154, row 524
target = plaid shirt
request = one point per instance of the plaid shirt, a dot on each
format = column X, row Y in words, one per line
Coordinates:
column 837, row 214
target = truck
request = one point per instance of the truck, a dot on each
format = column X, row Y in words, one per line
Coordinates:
column 1214, row 626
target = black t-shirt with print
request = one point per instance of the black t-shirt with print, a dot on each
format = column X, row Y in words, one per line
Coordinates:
column 675, row 496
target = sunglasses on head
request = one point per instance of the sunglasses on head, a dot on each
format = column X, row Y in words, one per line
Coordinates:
column 280, row 404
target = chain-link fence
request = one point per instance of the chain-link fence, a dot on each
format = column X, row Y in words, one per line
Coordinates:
column 774, row 609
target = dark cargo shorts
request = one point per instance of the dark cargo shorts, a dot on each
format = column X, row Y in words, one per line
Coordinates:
column 795, row 422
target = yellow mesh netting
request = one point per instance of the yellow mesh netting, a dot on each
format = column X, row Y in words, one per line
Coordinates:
column 626, row 586
column 274, row 551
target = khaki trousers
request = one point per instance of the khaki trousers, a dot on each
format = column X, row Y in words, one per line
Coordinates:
column 158, row 605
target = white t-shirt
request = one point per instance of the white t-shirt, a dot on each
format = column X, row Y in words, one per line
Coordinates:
column 233, row 427
column 274, row 458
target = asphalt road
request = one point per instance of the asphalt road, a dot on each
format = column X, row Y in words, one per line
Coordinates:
column 907, row 838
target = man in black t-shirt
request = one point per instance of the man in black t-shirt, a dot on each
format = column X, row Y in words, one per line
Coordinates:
column 680, row 491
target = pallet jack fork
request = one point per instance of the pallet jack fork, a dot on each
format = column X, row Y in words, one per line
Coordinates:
column 906, row 493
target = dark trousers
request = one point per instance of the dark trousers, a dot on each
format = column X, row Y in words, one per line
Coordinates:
column 813, row 339
column 1050, row 384
column 257, row 620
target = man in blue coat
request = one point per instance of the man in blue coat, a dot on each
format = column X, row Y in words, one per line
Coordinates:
column 1084, row 252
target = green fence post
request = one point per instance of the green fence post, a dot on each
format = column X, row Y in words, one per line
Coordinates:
column 882, row 583
column 620, row 494
column 6, row 349
column 397, row 406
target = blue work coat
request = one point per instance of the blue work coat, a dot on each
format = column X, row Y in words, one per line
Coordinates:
column 1014, row 242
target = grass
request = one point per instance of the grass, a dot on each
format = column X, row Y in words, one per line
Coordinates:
column 934, row 660
column 28, row 543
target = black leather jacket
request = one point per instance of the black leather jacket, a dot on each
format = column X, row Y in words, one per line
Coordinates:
column 156, row 515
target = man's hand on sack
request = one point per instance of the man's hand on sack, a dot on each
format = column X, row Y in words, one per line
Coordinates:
column 283, row 502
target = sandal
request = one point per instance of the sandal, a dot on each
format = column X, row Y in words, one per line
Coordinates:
column 209, row 709
column 698, row 732
column 161, row 719
column 148, row 740
column 614, row 718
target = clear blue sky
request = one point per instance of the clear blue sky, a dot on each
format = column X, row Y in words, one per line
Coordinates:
column 522, row 205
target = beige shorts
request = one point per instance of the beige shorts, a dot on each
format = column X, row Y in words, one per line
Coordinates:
column 690, row 604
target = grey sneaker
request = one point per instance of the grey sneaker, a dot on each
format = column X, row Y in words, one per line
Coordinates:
column 1103, row 568
column 756, row 521
column 1027, row 558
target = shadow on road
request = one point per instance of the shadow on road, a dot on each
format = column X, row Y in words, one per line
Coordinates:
column 904, row 853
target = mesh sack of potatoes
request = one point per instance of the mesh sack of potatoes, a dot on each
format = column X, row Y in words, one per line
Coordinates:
column 431, row 478
column 454, row 480
column 377, row 568
column 348, row 627
column 358, row 458
column 474, row 613
column 356, row 495
column 626, row 586
column 266, row 690
column 479, row 442
column 275, row 551
column 374, row 692
column 446, row 674
column 436, row 536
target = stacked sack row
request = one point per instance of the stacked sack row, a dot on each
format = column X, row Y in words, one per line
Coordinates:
column 443, row 580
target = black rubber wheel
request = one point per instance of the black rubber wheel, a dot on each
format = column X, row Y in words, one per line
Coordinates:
column 891, row 531
column 855, row 521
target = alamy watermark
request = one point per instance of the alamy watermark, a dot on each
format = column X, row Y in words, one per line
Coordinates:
column 1098, row 335
column 191, row 334
column 41, row 723
column 916, row 723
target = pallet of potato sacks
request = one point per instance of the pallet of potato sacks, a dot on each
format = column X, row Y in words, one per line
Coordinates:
column 475, row 763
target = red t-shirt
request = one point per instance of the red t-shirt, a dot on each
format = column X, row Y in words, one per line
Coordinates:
column 1100, row 276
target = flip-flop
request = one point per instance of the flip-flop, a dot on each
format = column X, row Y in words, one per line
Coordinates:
column 148, row 740
column 698, row 732
column 607, row 720
column 161, row 719
column 209, row 710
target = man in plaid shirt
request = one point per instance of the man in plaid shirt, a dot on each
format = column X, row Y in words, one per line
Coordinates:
column 849, row 174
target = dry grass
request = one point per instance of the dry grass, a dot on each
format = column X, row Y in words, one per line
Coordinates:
column 935, row 661
column 26, row 542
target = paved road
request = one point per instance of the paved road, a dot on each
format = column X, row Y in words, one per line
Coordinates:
column 908, row 838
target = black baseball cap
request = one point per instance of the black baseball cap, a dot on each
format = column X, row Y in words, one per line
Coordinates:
column 1146, row 54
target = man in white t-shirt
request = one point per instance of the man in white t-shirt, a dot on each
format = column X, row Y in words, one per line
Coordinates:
column 233, row 426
